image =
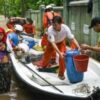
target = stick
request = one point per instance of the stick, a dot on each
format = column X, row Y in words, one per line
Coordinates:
column 30, row 35
column 41, row 77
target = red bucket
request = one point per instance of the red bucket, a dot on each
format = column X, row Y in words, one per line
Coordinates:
column 81, row 62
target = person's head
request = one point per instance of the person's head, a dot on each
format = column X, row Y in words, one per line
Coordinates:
column 18, row 28
column 57, row 21
column 29, row 20
column 95, row 24
column 48, row 8
column 12, row 20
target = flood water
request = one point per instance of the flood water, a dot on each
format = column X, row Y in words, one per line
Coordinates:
column 17, row 91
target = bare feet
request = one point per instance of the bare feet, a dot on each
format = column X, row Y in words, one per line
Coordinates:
column 62, row 77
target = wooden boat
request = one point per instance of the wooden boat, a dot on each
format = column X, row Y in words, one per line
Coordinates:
column 48, row 83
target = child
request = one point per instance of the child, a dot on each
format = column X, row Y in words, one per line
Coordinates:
column 3, row 52
column 5, row 71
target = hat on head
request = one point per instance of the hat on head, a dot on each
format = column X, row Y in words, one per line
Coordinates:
column 48, row 7
column 18, row 27
column 94, row 21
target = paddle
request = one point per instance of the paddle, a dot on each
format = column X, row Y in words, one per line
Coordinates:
column 41, row 77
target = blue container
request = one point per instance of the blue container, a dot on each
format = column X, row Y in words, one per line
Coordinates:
column 30, row 42
column 72, row 74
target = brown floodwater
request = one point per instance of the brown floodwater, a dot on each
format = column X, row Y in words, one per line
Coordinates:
column 17, row 91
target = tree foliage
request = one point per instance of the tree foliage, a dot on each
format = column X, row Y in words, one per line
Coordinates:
column 18, row 7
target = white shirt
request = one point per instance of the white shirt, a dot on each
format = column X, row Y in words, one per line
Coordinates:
column 57, row 37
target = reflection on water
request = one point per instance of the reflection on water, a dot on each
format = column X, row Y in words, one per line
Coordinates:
column 17, row 92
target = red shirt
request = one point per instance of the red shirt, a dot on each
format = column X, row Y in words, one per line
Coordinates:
column 29, row 28
column 48, row 16
column 10, row 25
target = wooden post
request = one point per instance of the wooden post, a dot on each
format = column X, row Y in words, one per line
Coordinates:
column 96, row 8
column 42, row 7
column 66, row 11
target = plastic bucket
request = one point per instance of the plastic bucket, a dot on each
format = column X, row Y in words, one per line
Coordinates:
column 81, row 62
column 73, row 75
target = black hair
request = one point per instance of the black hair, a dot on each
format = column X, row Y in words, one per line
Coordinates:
column 94, row 21
column 30, row 20
column 57, row 19
column 49, row 9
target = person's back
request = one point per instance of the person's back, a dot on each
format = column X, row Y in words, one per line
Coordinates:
column 47, row 22
column 29, row 28
column 48, row 17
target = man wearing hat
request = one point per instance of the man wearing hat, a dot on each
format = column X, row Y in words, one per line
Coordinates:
column 47, row 21
column 95, row 24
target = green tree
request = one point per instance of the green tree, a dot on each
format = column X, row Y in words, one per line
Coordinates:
column 18, row 7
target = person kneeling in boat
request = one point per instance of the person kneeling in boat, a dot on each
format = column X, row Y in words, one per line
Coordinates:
column 13, row 39
column 57, row 33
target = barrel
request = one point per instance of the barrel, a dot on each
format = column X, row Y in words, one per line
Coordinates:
column 73, row 75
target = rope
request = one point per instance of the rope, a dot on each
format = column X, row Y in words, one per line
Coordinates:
column 83, row 89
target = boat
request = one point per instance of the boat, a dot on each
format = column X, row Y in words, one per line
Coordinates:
column 48, row 83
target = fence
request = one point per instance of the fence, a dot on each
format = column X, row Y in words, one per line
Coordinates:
column 35, row 16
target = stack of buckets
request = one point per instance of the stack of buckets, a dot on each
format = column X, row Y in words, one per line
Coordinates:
column 76, row 65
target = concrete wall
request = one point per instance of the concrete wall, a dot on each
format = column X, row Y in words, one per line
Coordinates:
column 79, row 21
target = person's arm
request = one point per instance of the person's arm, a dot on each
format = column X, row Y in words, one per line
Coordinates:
column 9, row 46
column 75, row 43
column 2, row 46
column 57, row 50
column 71, row 37
column 45, row 22
column 93, row 48
column 34, row 31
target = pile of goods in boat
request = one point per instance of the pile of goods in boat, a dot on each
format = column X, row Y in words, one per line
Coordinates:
column 38, row 48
